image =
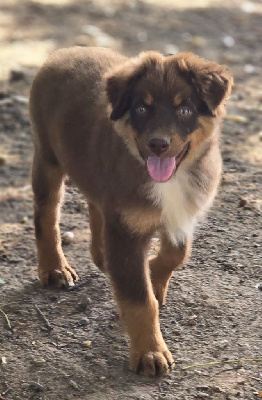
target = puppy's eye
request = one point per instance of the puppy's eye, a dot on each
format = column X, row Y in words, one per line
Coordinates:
column 141, row 110
column 184, row 112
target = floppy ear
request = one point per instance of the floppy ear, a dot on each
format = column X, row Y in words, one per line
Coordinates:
column 120, row 82
column 212, row 81
column 119, row 87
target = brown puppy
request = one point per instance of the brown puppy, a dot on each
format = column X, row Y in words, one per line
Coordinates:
column 140, row 138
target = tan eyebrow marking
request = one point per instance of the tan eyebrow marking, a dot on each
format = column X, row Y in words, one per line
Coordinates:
column 177, row 100
column 148, row 100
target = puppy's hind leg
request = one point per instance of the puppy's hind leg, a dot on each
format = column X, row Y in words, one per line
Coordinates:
column 48, row 183
column 169, row 258
column 96, row 226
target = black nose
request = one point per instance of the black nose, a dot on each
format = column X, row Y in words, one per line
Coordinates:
column 158, row 146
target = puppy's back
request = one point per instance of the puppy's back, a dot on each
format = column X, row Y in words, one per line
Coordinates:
column 70, row 78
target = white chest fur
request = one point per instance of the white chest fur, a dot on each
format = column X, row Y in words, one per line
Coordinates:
column 182, row 203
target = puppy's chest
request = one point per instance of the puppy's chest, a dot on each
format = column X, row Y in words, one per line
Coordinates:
column 180, row 203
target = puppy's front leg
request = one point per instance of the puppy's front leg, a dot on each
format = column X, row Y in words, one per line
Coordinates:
column 125, row 259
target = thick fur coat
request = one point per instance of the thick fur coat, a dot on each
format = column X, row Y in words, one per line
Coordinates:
column 140, row 138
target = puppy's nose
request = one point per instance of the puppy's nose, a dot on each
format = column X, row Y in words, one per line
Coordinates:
column 158, row 146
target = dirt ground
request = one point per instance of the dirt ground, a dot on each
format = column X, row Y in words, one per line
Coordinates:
column 70, row 344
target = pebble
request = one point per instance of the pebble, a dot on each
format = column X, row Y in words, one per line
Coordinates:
column 228, row 41
column 36, row 386
column 223, row 344
column 84, row 321
column 74, row 384
column 249, row 68
column 171, row 49
column 21, row 99
column 84, row 302
column 68, row 237
column 16, row 74
column 87, row 343
column 39, row 362
column 192, row 320
column 243, row 202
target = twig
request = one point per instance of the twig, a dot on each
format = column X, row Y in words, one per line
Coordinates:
column 6, row 391
column 47, row 323
column 240, row 361
column 7, row 319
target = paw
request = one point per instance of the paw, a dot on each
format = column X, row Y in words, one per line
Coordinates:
column 151, row 363
column 59, row 277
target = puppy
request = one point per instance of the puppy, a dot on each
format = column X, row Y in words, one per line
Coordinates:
column 140, row 138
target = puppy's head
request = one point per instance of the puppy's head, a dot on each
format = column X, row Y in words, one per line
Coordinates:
column 167, row 109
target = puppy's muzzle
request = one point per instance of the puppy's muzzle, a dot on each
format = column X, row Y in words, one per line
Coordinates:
column 158, row 145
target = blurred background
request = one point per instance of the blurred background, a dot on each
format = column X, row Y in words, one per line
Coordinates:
column 229, row 31
column 213, row 305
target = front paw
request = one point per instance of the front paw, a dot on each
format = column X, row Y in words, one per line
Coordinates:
column 61, row 276
column 151, row 363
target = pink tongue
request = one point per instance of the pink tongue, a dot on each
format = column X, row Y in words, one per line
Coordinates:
column 160, row 169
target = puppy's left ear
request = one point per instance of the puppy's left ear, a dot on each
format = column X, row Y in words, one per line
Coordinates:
column 212, row 81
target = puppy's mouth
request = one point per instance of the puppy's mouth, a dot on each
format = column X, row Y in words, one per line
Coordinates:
column 161, row 169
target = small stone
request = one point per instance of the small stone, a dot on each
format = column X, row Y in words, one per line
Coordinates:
column 2, row 282
column 21, row 99
column 192, row 320
column 74, row 384
column 16, row 74
column 249, row 69
column 84, row 321
column 36, row 386
column 171, row 49
column 223, row 344
column 228, row 41
column 243, row 202
column 202, row 395
column 39, row 362
column 82, row 206
column 87, row 343
column 84, row 302
column 68, row 237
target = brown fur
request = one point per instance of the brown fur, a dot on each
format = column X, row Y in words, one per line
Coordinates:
column 83, row 108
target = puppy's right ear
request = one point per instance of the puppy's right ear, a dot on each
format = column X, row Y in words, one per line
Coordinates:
column 120, row 84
